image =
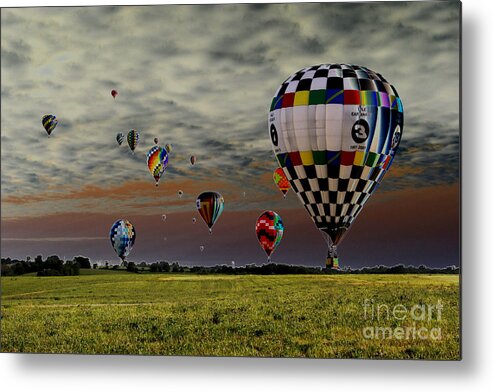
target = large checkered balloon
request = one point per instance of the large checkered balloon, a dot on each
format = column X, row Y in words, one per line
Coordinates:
column 335, row 129
column 122, row 237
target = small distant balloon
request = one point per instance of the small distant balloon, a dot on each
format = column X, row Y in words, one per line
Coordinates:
column 168, row 148
column 194, row 220
column 133, row 139
column 119, row 138
column 202, row 248
column 156, row 140
column 180, row 193
column 193, row 160
column 163, row 217
column 114, row 93
column 244, row 194
column 49, row 122
column 281, row 181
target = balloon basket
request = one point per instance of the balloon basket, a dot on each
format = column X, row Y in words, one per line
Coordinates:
column 332, row 263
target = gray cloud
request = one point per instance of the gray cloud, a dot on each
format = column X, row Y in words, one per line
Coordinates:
column 206, row 87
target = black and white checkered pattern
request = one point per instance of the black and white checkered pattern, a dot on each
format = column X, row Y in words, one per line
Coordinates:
column 334, row 202
column 335, row 76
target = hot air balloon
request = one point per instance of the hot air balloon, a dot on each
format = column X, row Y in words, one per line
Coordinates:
column 335, row 129
column 193, row 159
column 163, row 217
column 114, row 93
column 180, row 193
column 156, row 140
column 133, row 139
column 168, row 148
column 269, row 229
column 122, row 237
column 49, row 122
column 281, row 181
column 194, row 220
column 210, row 206
column 202, row 248
column 119, row 138
column 157, row 161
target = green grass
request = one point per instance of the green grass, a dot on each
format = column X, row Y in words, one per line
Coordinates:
column 184, row 314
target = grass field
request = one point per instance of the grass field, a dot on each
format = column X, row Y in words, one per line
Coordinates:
column 228, row 315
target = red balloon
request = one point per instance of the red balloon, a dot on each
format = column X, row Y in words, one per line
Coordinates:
column 114, row 93
column 269, row 229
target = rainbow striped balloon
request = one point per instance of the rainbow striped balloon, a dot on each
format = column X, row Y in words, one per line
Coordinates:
column 210, row 206
column 157, row 161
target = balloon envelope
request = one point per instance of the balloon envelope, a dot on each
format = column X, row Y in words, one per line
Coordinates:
column 157, row 162
column 49, row 122
column 122, row 237
column 269, row 229
column 114, row 93
column 193, row 160
column 335, row 129
column 210, row 206
column 281, row 181
column 156, row 140
column 133, row 139
column 119, row 138
column 168, row 148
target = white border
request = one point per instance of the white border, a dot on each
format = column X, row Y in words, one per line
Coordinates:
column 126, row 373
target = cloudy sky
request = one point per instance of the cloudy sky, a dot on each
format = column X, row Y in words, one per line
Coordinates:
column 202, row 79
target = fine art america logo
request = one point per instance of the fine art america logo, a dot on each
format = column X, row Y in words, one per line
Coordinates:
column 419, row 321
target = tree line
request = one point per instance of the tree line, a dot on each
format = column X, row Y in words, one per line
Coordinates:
column 54, row 266
column 51, row 266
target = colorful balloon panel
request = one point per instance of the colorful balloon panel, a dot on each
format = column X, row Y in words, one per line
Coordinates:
column 281, row 181
column 210, row 206
column 49, row 122
column 157, row 161
column 335, row 130
column 122, row 237
column 269, row 229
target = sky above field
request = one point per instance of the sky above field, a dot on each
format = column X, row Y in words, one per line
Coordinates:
column 202, row 78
